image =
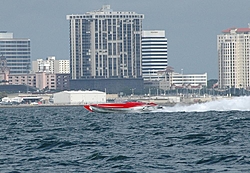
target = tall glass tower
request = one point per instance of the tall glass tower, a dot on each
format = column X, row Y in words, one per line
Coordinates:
column 16, row 51
column 154, row 54
column 105, row 44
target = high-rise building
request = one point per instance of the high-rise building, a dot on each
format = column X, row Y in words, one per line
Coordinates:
column 16, row 51
column 154, row 54
column 234, row 58
column 105, row 44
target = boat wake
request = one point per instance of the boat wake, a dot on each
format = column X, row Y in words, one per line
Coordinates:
column 227, row 104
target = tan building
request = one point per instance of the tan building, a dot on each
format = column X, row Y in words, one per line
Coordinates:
column 233, row 57
column 41, row 80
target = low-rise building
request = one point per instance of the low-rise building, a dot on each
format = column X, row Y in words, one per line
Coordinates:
column 41, row 80
column 177, row 80
column 79, row 97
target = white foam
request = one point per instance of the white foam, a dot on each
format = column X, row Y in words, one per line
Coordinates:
column 227, row 104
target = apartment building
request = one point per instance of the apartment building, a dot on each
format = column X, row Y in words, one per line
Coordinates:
column 41, row 80
column 105, row 44
column 233, row 57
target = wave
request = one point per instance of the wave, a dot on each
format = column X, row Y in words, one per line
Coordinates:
column 226, row 104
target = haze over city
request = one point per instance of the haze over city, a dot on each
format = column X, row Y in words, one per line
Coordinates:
column 191, row 26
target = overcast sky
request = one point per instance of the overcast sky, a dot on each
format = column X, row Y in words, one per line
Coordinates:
column 191, row 26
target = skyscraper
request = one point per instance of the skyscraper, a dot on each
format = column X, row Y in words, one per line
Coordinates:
column 234, row 58
column 154, row 54
column 16, row 51
column 105, row 44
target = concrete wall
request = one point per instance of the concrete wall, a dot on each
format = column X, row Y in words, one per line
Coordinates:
column 94, row 98
column 61, row 98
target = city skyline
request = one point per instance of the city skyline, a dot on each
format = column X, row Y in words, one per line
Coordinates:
column 191, row 26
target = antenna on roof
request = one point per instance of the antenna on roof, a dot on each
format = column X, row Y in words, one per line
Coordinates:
column 105, row 8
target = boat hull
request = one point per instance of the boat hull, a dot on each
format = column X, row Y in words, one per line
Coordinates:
column 129, row 107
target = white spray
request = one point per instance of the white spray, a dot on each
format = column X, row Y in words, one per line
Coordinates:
column 227, row 104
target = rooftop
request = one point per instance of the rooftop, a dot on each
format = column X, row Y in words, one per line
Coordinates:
column 83, row 92
column 237, row 30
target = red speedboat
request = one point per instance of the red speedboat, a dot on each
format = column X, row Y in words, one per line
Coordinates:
column 121, row 107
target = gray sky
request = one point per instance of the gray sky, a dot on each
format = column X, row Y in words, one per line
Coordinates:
column 191, row 26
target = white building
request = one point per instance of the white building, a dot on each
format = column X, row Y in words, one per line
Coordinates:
column 154, row 54
column 79, row 97
column 233, row 55
column 51, row 65
column 105, row 43
column 63, row 66
column 174, row 80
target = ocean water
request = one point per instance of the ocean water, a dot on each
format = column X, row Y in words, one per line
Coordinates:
column 209, row 137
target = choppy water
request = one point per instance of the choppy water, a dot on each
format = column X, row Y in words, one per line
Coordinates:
column 210, row 137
